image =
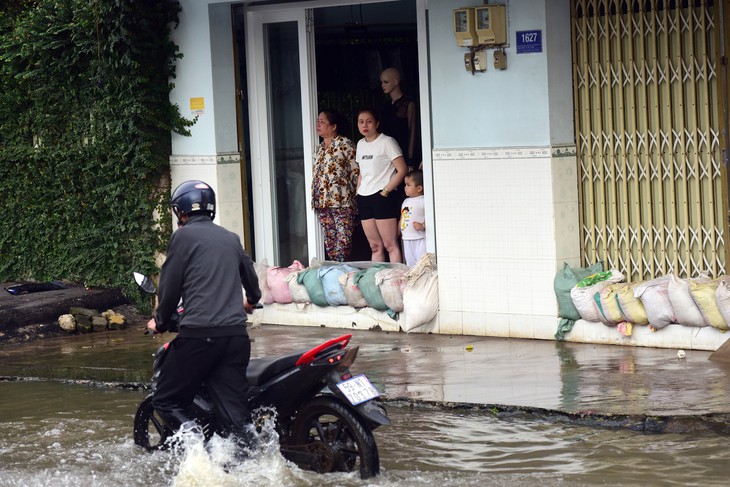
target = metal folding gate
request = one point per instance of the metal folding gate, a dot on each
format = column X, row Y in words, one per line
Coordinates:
column 647, row 112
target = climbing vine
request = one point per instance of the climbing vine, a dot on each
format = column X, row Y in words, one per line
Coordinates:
column 85, row 123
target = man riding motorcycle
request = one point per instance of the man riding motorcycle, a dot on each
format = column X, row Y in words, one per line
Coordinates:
column 206, row 266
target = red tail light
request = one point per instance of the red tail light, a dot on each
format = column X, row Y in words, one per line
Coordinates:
column 312, row 354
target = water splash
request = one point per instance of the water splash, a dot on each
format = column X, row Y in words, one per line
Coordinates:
column 218, row 463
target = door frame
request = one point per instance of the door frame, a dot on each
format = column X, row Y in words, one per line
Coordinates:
column 261, row 150
column 261, row 163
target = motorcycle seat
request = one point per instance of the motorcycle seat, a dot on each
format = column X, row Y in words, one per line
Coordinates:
column 262, row 369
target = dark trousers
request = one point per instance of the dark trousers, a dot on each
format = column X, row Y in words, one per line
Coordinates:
column 219, row 362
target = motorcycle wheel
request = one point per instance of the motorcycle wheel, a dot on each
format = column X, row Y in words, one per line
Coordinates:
column 339, row 440
column 150, row 431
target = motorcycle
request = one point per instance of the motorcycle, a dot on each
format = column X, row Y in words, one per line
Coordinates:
column 325, row 415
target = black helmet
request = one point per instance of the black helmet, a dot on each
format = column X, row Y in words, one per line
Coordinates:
column 193, row 197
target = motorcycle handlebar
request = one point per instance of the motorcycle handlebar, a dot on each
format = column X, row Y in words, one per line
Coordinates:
column 176, row 317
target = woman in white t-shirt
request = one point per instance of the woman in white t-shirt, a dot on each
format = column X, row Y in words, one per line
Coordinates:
column 382, row 169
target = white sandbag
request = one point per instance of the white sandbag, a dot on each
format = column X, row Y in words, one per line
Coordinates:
column 685, row 309
column 722, row 298
column 584, row 297
column 352, row 292
column 392, row 284
column 261, row 271
column 298, row 291
column 420, row 300
column 654, row 295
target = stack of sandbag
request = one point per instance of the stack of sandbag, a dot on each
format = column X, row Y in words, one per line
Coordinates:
column 380, row 286
column 700, row 301
column 420, row 293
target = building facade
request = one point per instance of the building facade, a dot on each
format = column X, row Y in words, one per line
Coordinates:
column 597, row 131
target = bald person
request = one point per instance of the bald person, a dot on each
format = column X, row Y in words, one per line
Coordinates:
column 399, row 118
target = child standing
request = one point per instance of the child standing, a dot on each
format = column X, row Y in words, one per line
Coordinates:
column 412, row 219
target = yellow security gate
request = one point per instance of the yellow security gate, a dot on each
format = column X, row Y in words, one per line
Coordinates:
column 648, row 116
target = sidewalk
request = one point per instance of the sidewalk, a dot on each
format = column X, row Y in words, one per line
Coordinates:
column 556, row 376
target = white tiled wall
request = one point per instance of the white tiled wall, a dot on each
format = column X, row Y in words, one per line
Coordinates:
column 225, row 179
column 496, row 239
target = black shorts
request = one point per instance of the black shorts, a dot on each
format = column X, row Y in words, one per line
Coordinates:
column 378, row 206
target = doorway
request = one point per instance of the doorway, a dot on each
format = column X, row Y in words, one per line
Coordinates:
column 353, row 45
column 293, row 72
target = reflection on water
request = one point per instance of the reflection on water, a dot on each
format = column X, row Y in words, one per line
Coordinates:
column 54, row 434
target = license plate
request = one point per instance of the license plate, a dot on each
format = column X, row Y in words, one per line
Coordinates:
column 358, row 389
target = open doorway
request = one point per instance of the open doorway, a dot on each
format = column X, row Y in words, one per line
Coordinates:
column 353, row 45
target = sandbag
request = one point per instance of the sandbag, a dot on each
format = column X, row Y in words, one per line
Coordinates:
column 352, row 292
column 703, row 295
column 609, row 312
column 654, row 295
column 722, row 298
column 333, row 291
column 564, row 281
column 276, row 281
column 315, row 289
column 631, row 308
column 297, row 290
column 365, row 281
column 261, row 272
column 392, row 285
column 583, row 293
column 685, row 308
column 420, row 300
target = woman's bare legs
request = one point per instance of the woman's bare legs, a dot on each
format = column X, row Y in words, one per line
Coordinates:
column 374, row 240
column 388, row 230
column 382, row 236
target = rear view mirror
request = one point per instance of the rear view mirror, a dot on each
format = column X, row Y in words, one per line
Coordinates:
column 145, row 283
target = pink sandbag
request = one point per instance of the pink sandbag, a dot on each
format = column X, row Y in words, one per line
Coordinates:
column 277, row 283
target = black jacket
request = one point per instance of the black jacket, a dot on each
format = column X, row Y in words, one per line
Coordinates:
column 206, row 266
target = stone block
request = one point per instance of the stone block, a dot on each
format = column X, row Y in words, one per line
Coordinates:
column 99, row 323
column 82, row 320
column 84, row 327
column 67, row 323
column 76, row 310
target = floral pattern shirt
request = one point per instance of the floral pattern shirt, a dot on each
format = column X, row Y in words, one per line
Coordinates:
column 334, row 182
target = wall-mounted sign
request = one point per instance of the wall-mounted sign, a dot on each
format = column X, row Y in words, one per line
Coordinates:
column 529, row 41
column 197, row 105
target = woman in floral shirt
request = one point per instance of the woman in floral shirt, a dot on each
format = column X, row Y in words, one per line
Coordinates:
column 334, row 186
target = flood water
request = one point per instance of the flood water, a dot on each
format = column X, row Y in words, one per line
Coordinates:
column 59, row 433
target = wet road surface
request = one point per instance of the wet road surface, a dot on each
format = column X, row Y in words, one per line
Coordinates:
column 455, row 402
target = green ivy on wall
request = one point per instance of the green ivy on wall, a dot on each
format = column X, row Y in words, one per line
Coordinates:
column 85, row 123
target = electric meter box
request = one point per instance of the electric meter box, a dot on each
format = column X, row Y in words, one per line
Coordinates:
column 491, row 24
column 464, row 28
